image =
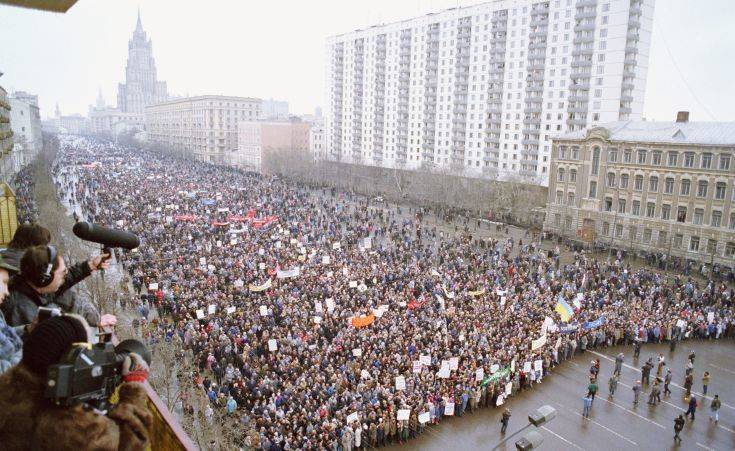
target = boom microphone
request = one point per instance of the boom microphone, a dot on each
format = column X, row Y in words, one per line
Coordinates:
column 105, row 236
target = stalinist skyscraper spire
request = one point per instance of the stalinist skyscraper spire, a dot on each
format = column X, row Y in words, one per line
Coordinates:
column 141, row 87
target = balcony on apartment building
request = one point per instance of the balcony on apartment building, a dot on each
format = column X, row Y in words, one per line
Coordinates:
column 492, row 139
column 586, row 3
column 577, row 121
column 633, row 35
column 583, row 38
column 459, row 118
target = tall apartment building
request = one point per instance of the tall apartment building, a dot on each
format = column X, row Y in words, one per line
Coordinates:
column 481, row 90
column 203, row 125
column 665, row 187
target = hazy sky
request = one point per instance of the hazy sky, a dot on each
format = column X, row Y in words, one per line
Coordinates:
column 276, row 48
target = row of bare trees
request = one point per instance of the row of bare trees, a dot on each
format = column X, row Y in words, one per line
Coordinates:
column 439, row 188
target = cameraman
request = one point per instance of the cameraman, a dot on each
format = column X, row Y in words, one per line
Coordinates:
column 29, row 421
column 30, row 235
column 44, row 278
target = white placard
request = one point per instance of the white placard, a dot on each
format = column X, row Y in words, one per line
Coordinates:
column 330, row 305
column 153, row 286
column 261, row 265
column 239, row 283
column 278, row 245
column 200, row 314
column 526, row 367
column 500, row 400
column 364, row 374
column 272, row 345
column 352, row 417
column 416, row 366
column 261, row 251
column 512, row 365
column 400, row 383
column 293, row 241
column 317, row 320
column 403, row 414
column 357, row 352
column 202, row 261
column 425, row 359
column 494, row 368
column 219, row 243
column 230, row 310
column 711, row 317
column 318, row 306
column 326, row 260
column 479, row 374
column 353, row 284
column 336, row 245
column 263, row 310
column 212, row 309
column 681, row 324
column 449, row 409
column 454, row 363
column 424, row 417
column 508, row 388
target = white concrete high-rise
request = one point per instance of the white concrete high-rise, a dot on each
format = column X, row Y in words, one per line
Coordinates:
column 481, row 90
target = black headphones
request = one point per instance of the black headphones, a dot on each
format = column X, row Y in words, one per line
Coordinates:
column 45, row 278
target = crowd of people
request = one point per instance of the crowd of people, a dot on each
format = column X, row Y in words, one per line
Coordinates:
column 24, row 185
column 321, row 320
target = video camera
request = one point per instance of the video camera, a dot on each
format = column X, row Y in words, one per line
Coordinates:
column 89, row 373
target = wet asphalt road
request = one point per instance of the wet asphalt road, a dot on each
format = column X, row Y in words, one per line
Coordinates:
column 615, row 423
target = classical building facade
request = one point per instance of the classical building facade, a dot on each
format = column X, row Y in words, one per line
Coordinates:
column 317, row 145
column 480, row 90
column 206, row 126
column 665, row 187
column 141, row 88
column 255, row 139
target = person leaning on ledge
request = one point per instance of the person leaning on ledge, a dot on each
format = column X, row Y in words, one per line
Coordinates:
column 28, row 421
column 43, row 273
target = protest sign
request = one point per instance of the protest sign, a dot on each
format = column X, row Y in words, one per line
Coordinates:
column 200, row 314
column 416, row 366
column 263, row 310
column 403, row 414
column 400, row 383
column 538, row 343
column 425, row 359
column 212, row 309
column 508, row 388
column 538, row 365
column 479, row 374
column 494, row 368
column 357, row 352
column 352, row 417
column 449, row 409
column 153, row 286
column 454, row 363
column 424, row 417
column 326, row 260
column 527, row 367
column 272, row 345
column 230, row 310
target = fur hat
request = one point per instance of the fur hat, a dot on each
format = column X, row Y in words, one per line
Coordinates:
column 51, row 339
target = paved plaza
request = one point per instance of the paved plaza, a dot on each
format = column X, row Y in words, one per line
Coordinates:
column 615, row 422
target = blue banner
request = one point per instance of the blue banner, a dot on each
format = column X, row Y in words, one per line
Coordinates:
column 594, row 324
column 568, row 328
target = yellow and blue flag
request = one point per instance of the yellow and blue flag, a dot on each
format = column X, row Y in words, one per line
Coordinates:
column 564, row 310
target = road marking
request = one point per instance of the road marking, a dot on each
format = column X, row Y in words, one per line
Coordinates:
column 672, row 383
column 630, row 411
column 606, row 428
column 562, row 438
column 721, row 368
column 705, row 447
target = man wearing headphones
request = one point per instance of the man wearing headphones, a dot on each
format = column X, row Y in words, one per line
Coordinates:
column 29, row 235
column 42, row 272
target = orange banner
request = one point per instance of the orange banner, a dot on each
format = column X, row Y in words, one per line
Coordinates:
column 363, row 321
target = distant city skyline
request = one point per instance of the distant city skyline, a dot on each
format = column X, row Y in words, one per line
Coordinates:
column 277, row 50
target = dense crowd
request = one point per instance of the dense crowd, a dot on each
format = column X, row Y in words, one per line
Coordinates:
column 24, row 185
column 322, row 320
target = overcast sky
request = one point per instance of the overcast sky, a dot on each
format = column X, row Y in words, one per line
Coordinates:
column 275, row 49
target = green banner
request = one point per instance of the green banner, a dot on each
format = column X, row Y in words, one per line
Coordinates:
column 497, row 376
